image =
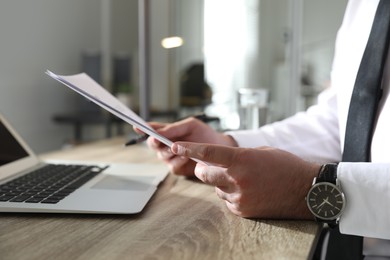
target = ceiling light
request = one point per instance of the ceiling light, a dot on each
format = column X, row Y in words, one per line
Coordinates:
column 172, row 42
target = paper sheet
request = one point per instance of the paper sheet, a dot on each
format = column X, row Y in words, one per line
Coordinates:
column 87, row 87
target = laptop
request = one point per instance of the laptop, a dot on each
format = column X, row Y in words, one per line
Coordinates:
column 29, row 184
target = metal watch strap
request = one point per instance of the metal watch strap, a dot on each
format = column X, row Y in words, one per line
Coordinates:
column 328, row 173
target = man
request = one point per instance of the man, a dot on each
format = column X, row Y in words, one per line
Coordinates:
column 267, row 173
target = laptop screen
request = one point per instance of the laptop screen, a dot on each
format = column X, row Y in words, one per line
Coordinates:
column 10, row 148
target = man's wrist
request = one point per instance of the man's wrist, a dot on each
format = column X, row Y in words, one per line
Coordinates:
column 312, row 172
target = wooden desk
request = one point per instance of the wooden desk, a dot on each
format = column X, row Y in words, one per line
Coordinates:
column 184, row 220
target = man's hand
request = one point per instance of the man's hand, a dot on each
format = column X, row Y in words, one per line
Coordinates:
column 262, row 182
column 190, row 129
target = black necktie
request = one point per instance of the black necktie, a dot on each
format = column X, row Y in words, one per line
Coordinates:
column 361, row 118
column 367, row 91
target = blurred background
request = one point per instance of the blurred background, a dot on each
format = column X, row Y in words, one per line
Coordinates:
column 166, row 59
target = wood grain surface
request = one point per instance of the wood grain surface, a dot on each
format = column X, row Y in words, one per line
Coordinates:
column 183, row 220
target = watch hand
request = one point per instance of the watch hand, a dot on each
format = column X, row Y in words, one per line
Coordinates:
column 327, row 202
column 322, row 204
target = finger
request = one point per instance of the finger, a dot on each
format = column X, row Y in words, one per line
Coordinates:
column 221, row 194
column 179, row 128
column 154, row 125
column 155, row 144
column 137, row 130
column 165, row 155
column 215, row 154
column 181, row 166
column 214, row 175
column 234, row 208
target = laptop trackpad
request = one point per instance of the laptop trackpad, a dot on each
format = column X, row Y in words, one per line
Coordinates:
column 111, row 182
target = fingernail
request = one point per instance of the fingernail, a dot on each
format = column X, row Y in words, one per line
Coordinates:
column 178, row 149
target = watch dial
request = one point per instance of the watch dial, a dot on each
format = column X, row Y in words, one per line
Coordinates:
column 325, row 201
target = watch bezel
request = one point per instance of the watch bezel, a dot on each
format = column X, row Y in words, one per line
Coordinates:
column 337, row 187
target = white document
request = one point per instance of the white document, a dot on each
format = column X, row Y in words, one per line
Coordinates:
column 87, row 87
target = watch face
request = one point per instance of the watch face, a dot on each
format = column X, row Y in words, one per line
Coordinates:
column 326, row 201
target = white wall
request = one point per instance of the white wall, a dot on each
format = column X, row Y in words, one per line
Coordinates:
column 159, row 71
column 321, row 22
column 124, row 33
column 52, row 34
column 35, row 36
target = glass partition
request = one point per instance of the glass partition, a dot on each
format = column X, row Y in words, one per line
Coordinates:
column 284, row 47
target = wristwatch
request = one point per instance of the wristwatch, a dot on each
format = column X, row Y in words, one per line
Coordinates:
column 325, row 199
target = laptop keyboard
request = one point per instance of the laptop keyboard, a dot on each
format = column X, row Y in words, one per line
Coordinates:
column 48, row 184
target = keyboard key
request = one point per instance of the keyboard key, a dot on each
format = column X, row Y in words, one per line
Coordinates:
column 6, row 197
column 20, row 198
column 50, row 201
column 34, row 200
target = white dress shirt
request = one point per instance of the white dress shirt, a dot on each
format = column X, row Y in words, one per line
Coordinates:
column 318, row 134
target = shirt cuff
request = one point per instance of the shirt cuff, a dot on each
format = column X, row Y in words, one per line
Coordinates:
column 367, row 192
column 248, row 138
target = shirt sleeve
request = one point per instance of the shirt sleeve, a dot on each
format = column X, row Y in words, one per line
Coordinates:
column 367, row 192
column 312, row 135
